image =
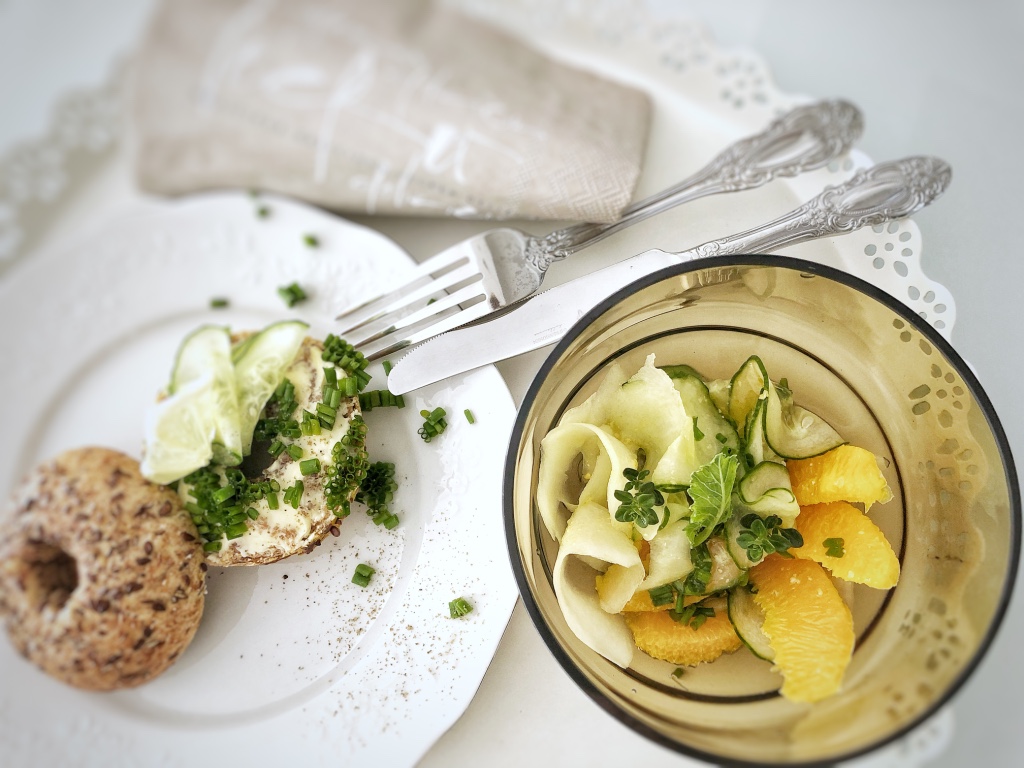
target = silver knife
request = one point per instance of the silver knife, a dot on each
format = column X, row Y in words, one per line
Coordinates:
column 873, row 196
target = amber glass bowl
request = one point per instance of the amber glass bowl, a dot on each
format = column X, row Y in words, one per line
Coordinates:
column 888, row 382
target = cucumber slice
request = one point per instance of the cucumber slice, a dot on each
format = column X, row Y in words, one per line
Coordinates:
column 719, row 391
column 766, row 490
column 178, row 433
column 754, row 443
column 199, row 353
column 261, row 368
column 716, row 432
column 745, row 389
column 748, row 620
column 206, row 352
column 724, row 571
column 678, row 371
column 794, row 432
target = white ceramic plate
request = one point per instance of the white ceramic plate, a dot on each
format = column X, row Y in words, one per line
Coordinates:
column 292, row 661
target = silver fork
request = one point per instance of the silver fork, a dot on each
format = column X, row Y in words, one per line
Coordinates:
column 496, row 268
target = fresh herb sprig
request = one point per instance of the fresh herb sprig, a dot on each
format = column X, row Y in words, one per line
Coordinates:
column 711, row 493
column 764, row 536
column 638, row 499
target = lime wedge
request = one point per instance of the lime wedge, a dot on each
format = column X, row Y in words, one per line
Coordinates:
column 207, row 351
column 260, row 368
column 179, row 432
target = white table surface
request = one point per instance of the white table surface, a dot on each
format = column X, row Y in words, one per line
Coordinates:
column 935, row 77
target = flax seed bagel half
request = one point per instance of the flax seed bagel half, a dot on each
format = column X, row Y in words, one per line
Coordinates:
column 102, row 576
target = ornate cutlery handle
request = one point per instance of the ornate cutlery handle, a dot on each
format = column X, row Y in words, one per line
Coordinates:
column 803, row 139
column 886, row 191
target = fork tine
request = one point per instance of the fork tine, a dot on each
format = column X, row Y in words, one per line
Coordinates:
column 409, row 298
column 440, row 263
column 454, row 320
column 470, row 294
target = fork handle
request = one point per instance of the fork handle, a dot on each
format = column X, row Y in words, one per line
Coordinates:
column 882, row 193
column 803, row 139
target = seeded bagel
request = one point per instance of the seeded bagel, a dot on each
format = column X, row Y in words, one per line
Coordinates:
column 102, row 577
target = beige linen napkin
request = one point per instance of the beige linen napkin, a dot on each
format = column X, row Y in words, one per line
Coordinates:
column 390, row 106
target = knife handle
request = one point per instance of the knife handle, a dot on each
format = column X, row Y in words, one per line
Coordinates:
column 886, row 191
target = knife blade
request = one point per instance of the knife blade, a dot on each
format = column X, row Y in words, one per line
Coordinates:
column 536, row 322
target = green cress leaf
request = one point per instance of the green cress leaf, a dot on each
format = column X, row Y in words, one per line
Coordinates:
column 834, row 547
column 711, row 494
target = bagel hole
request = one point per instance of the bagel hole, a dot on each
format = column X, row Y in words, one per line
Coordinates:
column 51, row 575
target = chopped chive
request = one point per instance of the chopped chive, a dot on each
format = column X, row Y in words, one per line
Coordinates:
column 331, row 375
column 218, row 302
column 309, row 466
column 272, row 501
column 362, row 574
column 469, row 416
column 292, row 294
column 433, row 424
column 678, row 672
column 391, row 522
column 459, row 607
column 295, row 451
column 236, row 531
column 311, row 240
column 263, row 211
column 223, row 494
column 387, row 367
column 212, row 546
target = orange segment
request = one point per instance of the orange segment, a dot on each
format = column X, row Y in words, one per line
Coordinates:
column 658, row 635
column 846, row 473
column 808, row 625
column 868, row 557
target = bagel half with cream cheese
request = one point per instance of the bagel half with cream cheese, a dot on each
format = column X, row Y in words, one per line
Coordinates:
column 283, row 526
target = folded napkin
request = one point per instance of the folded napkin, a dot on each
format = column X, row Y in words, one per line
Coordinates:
column 390, row 106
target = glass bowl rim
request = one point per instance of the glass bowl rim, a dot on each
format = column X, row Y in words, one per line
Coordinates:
column 906, row 314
